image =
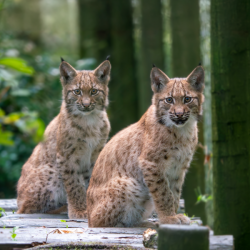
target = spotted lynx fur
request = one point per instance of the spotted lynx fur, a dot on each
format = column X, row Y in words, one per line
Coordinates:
column 58, row 171
column 142, row 168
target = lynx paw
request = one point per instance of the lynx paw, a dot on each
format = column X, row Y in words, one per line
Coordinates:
column 184, row 219
column 74, row 214
column 176, row 219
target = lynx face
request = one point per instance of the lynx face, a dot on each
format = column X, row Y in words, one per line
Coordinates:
column 178, row 100
column 85, row 91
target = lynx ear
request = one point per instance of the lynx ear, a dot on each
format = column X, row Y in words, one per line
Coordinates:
column 196, row 79
column 158, row 79
column 67, row 72
column 103, row 71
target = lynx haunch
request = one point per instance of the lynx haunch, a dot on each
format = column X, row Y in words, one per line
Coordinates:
column 59, row 168
column 142, row 168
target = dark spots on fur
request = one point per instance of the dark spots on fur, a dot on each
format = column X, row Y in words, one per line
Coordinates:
column 161, row 121
column 169, row 131
column 175, row 135
column 160, row 181
column 66, row 171
column 165, row 157
column 50, row 178
column 176, row 178
column 50, row 165
column 71, row 152
column 155, row 190
column 72, row 172
column 177, row 190
column 50, row 172
column 76, row 126
column 174, row 148
column 77, row 161
column 163, row 193
column 69, row 146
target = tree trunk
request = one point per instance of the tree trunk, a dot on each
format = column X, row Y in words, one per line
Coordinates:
column 230, row 46
column 94, row 24
column 186, row 55
column 123, row 85
column 106, row 28
column 151, row 50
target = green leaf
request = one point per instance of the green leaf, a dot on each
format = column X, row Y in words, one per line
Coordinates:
column 63, row 220
column 13, row 236
column 17, row 64
column 12, row 117
column 6, row 137
column 2, row 113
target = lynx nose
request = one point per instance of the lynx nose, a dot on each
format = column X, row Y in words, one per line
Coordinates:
column 86, row 104
column 179, row 113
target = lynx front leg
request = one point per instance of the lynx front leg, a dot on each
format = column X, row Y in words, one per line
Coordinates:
column 74, row 186
column 94, row 157
column 163, row 197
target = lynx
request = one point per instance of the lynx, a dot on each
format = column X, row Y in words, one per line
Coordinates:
column 58, row 171
column 142, row 168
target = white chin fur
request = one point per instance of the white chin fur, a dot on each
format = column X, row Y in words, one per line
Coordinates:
column 169, row 123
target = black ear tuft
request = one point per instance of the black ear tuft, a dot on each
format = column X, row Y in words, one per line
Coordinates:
column 153, row 65
column 107, row 58
column 199, row 63
column 62, row 60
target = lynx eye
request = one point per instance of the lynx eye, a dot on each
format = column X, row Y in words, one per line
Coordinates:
column 77, row 91
column 187, row 99
column 169, row 100
column 94, row 91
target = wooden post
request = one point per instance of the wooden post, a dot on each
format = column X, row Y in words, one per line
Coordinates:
column 179, row 237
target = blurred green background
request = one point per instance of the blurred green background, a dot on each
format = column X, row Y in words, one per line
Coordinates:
column 174, row 35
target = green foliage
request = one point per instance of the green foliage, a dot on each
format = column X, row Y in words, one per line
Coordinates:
column 64, row 221
column 17, row 64
column 13, row 233
column 202, row 198
column 2, row 211
column 4, row 226
column 26, row 122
